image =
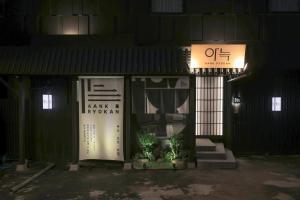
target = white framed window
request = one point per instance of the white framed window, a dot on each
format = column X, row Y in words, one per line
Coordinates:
column 47, row 101
column 276, row 104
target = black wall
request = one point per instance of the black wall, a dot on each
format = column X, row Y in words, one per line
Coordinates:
column 268, row 34
column 50, row 138
column 258, row 129
column 3, row 121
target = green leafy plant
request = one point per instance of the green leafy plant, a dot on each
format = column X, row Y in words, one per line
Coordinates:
column 139, row 156
column 169, row 156
column 175, row 150
column 147, row 143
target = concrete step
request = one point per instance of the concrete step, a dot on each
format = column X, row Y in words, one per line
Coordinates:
column 204, row 144
column 228, row 163
column 219, row 153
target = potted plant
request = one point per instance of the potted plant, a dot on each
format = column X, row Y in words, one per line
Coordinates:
column 175, row 153
column 147, row 143
column 141, row 160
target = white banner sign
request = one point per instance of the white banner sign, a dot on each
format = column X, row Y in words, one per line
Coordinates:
column 101, row 118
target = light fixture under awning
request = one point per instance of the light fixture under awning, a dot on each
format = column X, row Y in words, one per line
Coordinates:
column 218, row 56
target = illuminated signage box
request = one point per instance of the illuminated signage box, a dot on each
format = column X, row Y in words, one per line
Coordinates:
column 218, row 56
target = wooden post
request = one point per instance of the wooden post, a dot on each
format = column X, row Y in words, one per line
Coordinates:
column 192, row 108
column 27, row 181
column 23, row 93
column 127, row 116
column 21, row 114
column 74, row 118
column 227, row 114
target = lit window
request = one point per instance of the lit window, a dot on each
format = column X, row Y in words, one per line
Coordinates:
column 47, row 101
column 209, row 106
column 276, row 103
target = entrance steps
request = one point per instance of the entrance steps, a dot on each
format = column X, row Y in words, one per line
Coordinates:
column 213, row 155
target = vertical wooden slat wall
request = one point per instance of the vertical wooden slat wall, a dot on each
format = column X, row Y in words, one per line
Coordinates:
column 259, row 130
column 9, row 114
column 51, row 137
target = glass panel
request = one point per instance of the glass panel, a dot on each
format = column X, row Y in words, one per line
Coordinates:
column 50, row 101
column 209, row 99
column 156, row 82
column 160, row 104
column 47, row 101
column 276, row 103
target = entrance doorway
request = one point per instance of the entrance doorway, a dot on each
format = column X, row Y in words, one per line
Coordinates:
column 209, row 106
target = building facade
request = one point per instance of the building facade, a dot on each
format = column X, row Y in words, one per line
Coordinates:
column 52, row 51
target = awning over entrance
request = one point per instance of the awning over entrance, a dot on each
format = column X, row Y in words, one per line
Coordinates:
column 92, row 61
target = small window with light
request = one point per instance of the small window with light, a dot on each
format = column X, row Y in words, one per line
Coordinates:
column 276, row 104
column 47, row 102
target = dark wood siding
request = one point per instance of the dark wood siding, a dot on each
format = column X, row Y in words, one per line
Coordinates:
column 256, row 129
column 51, row 135
column 9, row 128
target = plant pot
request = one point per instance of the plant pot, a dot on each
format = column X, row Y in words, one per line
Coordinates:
column 178, row 164
column 142, row 162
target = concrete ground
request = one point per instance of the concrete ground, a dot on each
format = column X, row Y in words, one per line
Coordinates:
column 256, row 178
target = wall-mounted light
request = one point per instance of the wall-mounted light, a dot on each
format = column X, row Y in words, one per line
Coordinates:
column 245, row 67
column 193, row 65
column 239, row 62
column 47, row 102
column 276, row 104
column 236, row 104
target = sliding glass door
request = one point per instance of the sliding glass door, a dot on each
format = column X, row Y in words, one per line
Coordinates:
column 209, row 106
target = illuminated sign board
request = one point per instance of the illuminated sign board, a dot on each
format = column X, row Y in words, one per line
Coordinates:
column 101, row 118
column 218, row 56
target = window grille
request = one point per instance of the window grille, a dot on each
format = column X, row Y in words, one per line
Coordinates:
column 209, row 106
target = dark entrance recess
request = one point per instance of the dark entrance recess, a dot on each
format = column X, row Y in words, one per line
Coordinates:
column 160, row 105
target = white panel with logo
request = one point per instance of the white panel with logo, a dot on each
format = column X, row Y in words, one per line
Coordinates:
column 101, row 118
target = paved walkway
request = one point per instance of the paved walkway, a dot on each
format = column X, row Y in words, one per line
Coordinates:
column 256, row 178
